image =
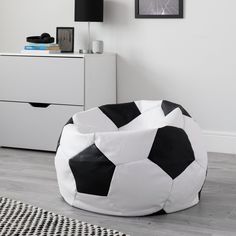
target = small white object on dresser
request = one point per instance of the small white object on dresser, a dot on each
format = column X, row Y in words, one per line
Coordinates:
column 39, row 93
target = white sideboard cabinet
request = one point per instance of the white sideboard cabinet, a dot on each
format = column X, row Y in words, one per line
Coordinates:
column 39, row 93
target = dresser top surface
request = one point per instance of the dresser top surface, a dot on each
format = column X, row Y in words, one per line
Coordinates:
column 65, row 55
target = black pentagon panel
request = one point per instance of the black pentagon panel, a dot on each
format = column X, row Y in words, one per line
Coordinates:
column 92, row 171
column 171, row 151
column 161, row 212
column 70, row 121
column 168, row 107
column 121, row 114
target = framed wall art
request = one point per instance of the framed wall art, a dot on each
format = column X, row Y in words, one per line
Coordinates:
column 158, row 8
column 65, row 38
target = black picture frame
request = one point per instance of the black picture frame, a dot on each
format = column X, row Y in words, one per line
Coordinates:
column 179, row 15
column 65, row 39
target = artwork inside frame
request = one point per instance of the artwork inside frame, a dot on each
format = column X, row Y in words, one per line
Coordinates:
column 65, row 39
column 158, row 8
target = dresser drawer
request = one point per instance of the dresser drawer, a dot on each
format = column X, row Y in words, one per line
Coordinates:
column 42, row 79
column 30, row 126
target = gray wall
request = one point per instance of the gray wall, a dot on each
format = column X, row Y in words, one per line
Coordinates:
column 190, row 61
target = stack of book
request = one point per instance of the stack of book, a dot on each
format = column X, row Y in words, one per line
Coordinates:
column 35, row 48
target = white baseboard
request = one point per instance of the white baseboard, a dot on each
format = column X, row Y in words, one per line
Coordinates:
column 223, row 142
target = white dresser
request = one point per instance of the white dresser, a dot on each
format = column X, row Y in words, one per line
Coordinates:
column 39, row 93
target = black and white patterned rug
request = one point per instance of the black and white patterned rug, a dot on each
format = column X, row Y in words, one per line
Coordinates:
column 19, row 219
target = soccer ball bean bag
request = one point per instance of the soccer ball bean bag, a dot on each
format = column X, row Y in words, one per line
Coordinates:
column 132, row 159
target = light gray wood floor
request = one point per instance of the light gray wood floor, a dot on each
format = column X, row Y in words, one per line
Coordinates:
column 30, row 177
